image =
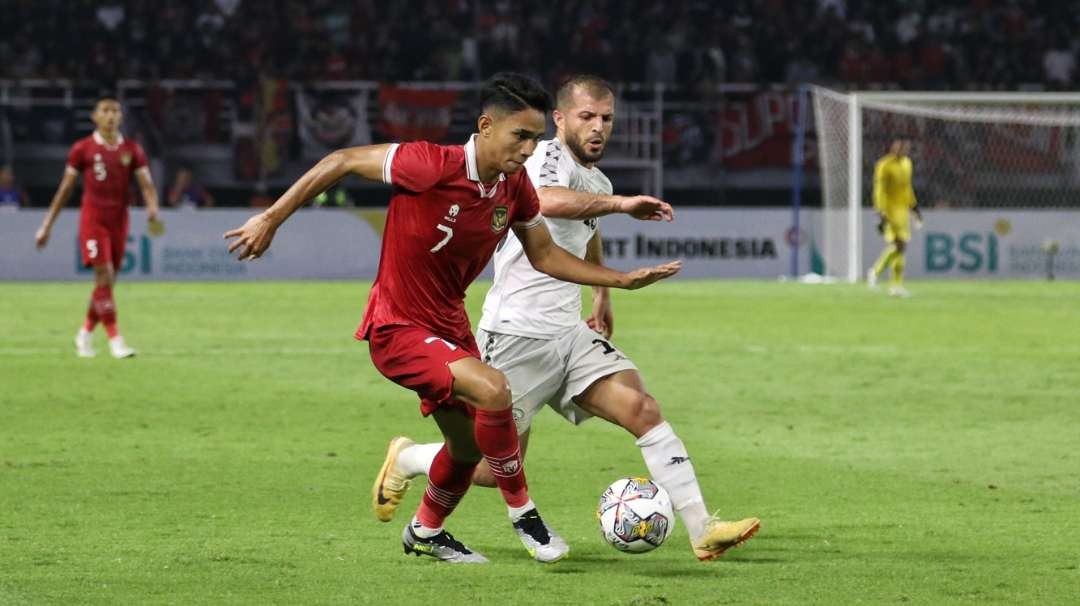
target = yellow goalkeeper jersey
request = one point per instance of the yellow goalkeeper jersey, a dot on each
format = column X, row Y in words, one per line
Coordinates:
column 893, row 194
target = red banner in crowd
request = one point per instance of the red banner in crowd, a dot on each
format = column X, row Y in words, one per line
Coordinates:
column 410, row 114
column 757, row 130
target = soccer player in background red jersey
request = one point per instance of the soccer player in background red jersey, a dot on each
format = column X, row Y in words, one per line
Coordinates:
column 106, row 162
column 451, row 207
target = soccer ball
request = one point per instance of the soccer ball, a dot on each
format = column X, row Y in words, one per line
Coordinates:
column 635, row 515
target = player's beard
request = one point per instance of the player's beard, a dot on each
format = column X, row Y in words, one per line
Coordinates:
column 577, row 146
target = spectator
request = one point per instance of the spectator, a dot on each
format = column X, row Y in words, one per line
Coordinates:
column 838, row 7
column 260, row 198
column 111, row 16
column 974, row 43
column 1059, row 63
column 188, row 193
column 11, row 195
column 660, row 64
column 907, row 26
column 227, row 7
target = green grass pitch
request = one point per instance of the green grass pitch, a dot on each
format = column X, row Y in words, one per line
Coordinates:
column 897, row 451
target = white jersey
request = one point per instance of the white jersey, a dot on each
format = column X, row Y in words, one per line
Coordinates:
column 523, row 301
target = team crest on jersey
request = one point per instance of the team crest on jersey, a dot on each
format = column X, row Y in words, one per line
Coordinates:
column 498, row 218
column 452, row 213
column 125, row 159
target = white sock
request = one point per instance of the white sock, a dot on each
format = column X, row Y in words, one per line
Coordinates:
column 423, row 531
column 670, row 467
column 416, row 459
column 517, row 512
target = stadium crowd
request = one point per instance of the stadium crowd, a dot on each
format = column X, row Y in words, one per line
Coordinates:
column 914, row 44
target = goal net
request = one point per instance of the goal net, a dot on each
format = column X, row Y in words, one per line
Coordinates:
column 969, row 151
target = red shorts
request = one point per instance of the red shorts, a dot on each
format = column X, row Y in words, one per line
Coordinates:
column 103, row 242
column 417, row 359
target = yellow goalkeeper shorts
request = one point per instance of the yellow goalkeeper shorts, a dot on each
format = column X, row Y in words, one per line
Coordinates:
column 894, row 232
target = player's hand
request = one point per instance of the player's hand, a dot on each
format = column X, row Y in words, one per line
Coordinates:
column 154, row 224
column 253, row 237
column 881, row 224
column 917, row 223
column 601, row 319
column 640, row 278
column 41, row 238
column 647, row 208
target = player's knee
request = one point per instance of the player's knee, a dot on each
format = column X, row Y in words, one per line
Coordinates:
column 494, row 391
column 644, row 414
column 649, row 413
column 101, row 277
column 104, row 275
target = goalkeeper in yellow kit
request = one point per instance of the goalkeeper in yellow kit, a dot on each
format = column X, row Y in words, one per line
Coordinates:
column 894, row 200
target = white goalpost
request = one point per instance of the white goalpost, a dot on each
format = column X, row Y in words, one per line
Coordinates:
column 970, row 150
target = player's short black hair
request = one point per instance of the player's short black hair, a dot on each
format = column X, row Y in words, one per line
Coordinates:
column 596, row 86
column 105, row 97
column 514, row 92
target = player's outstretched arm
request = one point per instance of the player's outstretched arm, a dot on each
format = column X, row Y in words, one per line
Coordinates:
column 547, row 257
column 601, row 319
column 254, row 236
column 59, row 200
column 149, row 193
column 565, row 203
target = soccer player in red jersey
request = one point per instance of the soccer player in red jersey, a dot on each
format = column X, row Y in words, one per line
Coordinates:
column 106, row 162
column 451, row 207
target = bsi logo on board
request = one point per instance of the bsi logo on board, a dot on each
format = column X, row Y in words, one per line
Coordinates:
column 969, row 252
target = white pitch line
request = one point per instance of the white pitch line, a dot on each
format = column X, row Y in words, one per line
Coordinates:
column 231, row 351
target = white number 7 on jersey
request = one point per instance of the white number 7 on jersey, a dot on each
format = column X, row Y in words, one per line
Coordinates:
column 442, row 243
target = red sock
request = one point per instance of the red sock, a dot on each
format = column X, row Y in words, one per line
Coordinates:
column 91, row 317
column 447, row 482
column 105, row 308
column 497, row 437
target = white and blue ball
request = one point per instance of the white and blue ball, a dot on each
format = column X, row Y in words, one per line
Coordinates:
column 635, row 515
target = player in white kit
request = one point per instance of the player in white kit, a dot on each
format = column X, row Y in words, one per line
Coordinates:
column 532, row 330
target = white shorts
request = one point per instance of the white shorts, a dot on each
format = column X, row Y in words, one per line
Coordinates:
column 552, row 372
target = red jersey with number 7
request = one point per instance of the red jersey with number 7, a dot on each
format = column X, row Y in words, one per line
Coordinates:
column 442, row 227
column 106, row 171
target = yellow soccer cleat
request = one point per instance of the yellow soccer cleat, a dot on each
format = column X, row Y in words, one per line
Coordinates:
column 720, row 536
column 390, row 485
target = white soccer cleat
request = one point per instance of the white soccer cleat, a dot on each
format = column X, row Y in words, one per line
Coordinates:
column 83, row 344
column 119, row 348
column 871, row 278
column 899, row 291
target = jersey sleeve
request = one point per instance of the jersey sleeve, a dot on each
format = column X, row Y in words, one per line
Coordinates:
column 75, row 157
column 527, row 210
column 138, row 157
column 879, row 185
column 554, row 168
column 417, row 166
